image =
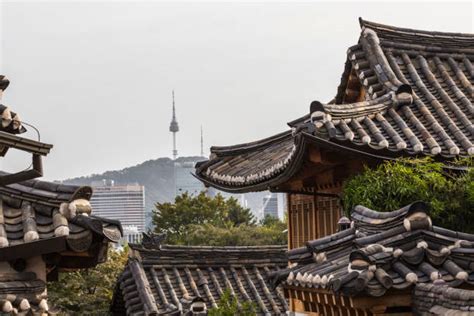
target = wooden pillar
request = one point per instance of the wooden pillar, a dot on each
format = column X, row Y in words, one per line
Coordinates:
column 298, row 306
column 378, row 310
column 290, row 220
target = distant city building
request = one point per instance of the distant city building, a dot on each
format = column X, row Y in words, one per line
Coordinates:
column 131, row 235
column 240, row 197
column 125, row 203
column 184, row 179
column 281, row 205
column 270, row 205
column 251, row 200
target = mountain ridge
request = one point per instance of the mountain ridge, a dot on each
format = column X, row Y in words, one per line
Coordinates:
column 157, row 176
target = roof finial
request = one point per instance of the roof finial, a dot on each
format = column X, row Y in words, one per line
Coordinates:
column 174, row 128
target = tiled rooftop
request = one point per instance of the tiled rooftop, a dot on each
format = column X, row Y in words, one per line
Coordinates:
column 403, row 93
column 173, row 280
column 383, row 251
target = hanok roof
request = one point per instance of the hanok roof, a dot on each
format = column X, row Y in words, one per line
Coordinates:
column 403, row 93
column 254, row 164
column 44, row 226
column 440, row 299
column 381, row 252
column 419, row 97
column 24, row 294
column 166, row 280
column 37, row 211
column 52, row 220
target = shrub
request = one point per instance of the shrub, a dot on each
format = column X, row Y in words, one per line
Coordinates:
column 393, row 185
column 229, row 306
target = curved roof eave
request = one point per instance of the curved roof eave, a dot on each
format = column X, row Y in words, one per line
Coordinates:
column 239, row 148
column 289, row 171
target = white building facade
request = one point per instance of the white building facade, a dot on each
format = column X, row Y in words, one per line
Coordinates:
column 125, row 203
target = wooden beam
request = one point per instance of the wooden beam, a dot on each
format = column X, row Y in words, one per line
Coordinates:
column 352, row 94
column 294, row 185
column 353, row 80
column 314, row 155
column 362, row 93
column 378, row 310
column 24, row 144
column 33, row 248
column 331, row 157
column 386, row 300
column 352, row 88
column 327, row 303
column 76, row 254
column 298, row 306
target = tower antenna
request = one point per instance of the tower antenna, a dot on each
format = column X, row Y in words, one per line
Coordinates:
column 174, row 128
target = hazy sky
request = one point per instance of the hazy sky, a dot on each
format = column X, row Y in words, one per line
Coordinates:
column 96, row 78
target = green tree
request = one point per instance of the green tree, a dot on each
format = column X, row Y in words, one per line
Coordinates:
column 238, row 215
column 242, row 235
column 175, row 219
column 272, row 221
column 204, row 220
column 88, row 291
column 228, row 305
column 393, row 185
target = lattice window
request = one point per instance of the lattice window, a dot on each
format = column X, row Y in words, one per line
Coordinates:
column 311, row 217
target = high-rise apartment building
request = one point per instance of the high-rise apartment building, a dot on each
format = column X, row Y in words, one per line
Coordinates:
column 184, row 180
column 270, row 205
column 125, row 203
